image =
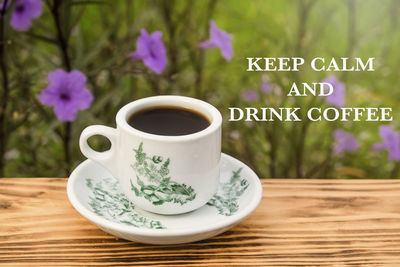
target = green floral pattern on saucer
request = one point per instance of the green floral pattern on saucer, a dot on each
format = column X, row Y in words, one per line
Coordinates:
column 227, row 198
column 108, row 202
column 153, row 182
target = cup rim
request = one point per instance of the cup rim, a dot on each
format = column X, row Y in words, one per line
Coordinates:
column 203, row 107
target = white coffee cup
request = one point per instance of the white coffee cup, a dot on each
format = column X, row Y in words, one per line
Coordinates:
column 161, row 174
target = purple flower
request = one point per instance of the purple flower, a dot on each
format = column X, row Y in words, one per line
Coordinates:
column 266, row 87
column 391, row 142
column 250, row 95
column 66, row 93
column 219, row 39
column 338, row 95
column 151, row 50
column 344, row 142
column 24, row 12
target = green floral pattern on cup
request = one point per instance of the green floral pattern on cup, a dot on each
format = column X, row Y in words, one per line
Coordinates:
column 153, row 182
column 109, row 202
column 227, row 198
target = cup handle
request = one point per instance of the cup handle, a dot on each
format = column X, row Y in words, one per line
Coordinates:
column 106, row 158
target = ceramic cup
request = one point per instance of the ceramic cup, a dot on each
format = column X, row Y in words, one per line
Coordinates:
column 161, row 174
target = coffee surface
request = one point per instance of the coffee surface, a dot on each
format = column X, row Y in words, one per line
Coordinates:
column 168, row 120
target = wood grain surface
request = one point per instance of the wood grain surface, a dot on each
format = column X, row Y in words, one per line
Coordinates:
column 298, row 223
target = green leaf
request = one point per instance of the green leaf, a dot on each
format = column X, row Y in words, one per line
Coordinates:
column 66, row 18
column 135, row 190
column 157, row 159
column 140, row 182
column 89, row 183
column 88, row 2
column 95, row 50
column 157, row 203
column 79, row 47
column 42, row 38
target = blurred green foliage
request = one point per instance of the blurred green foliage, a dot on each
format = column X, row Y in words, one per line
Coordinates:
column 101, row 34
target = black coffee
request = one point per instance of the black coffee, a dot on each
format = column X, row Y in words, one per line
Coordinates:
column 168, row 120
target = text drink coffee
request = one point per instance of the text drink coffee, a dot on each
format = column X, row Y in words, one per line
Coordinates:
column 168, row 120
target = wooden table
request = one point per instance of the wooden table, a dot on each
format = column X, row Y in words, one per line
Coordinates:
column 298, row 222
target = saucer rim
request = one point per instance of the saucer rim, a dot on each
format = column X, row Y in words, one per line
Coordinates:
column 104, row 223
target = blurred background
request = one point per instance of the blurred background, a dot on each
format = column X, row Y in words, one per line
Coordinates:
column 97, row 37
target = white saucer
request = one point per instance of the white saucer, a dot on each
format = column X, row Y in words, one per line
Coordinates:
column 95, row 194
